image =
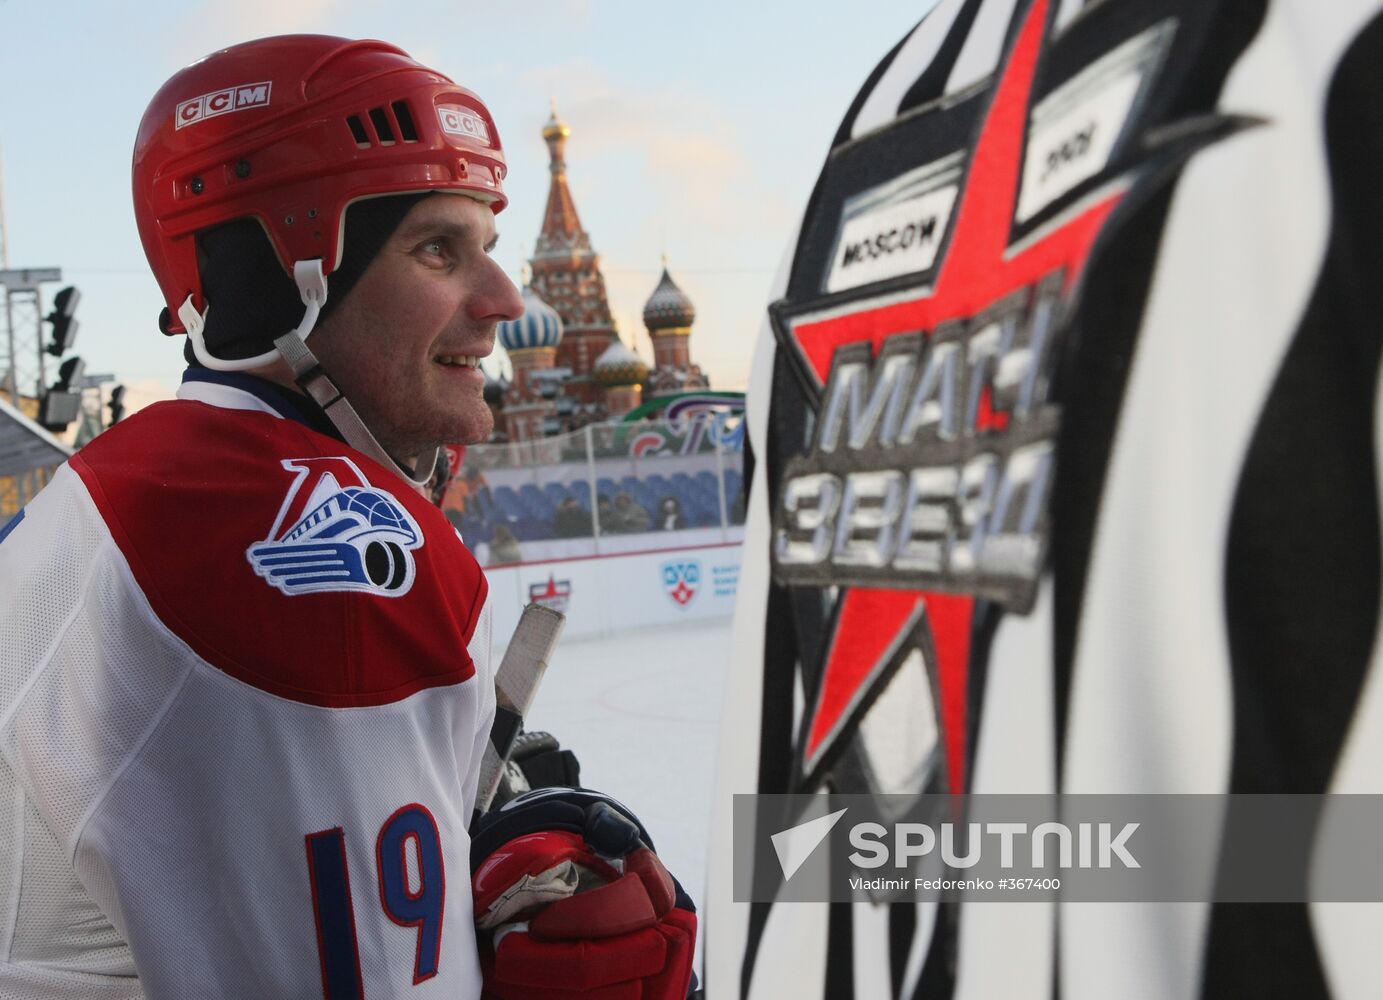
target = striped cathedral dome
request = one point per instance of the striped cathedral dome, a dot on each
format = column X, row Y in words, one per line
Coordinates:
column 668, row 307
column 618, row 365
column 539, row 326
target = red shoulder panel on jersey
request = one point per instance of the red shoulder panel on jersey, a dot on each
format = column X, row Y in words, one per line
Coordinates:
column 283, row 557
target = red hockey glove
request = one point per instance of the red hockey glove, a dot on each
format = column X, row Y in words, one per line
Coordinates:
column 571, row 904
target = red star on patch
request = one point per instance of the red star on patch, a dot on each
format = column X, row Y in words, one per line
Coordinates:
column 872, row 624
column 683, row 594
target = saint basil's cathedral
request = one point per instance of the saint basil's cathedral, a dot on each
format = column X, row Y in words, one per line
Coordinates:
column 570, row 367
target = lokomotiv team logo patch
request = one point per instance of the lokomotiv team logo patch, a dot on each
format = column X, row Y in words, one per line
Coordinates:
column 335, row 531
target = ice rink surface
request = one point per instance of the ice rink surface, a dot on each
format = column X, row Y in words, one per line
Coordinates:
column 641, row 710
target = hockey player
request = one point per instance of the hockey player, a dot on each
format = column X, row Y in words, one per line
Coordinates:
column 1066, row 418
column 245, row 672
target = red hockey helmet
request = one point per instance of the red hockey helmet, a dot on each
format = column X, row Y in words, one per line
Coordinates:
column 291, row 130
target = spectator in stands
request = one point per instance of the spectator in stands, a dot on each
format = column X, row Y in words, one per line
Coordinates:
column 571, row 521
column 457, row 493
column 630, row 517
column 476, row 495
column 670, row 516
column 504, row 547
column 605, row 515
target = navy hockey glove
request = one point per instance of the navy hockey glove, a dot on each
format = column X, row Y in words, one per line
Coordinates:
column 571, row 903
column 536, row 760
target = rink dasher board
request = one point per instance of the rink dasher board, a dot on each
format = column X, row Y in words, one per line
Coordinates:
column 604, row 594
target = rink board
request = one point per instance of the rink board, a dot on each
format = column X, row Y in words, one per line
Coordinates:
column 602, row 595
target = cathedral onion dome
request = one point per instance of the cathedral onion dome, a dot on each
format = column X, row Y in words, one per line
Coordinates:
column 618, row 365
column 555, row 128
column 668, row 308
column 539, row 326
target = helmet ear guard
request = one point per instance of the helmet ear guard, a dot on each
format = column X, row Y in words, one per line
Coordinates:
column 312, row 286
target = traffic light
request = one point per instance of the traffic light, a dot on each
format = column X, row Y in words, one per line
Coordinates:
column 64, row 323
column 69, row 373
column 63, row 402
column 117, row 405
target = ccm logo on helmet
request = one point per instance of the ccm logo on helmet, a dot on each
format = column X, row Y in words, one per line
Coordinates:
column 220, row 102
column 459, row 121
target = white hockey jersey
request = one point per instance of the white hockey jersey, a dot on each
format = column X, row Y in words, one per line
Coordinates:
column 1066, row 419
column 244, row 689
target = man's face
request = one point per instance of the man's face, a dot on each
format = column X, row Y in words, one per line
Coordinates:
column 405, row 343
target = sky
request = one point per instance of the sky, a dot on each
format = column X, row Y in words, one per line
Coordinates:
column 698, row 130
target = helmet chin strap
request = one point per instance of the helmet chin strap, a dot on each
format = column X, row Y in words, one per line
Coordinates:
column 308, row 372
column 194, row 323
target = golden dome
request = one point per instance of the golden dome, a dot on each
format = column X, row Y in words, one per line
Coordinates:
column 618, row 365
column 555, row 127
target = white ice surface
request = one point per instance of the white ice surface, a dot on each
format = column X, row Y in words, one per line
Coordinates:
column 641, row 710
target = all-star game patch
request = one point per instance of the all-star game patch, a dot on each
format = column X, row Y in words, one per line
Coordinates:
column 926, row 322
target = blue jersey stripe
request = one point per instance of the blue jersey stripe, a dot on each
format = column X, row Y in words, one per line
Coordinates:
column 11, row 524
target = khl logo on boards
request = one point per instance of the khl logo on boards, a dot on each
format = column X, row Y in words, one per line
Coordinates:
column 551, row 593
column 336, row 531
column 682, row 580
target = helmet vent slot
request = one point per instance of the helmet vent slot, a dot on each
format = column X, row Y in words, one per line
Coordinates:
column 380, row 119
column 362, row 138
column 407, row 130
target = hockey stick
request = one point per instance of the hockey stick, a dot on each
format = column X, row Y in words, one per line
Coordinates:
column 516, row 683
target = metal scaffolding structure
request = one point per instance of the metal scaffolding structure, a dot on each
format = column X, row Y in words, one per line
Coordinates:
column 27, row 371
column 28, row 453
column 4, row 237
column 8, row 382
column 25, row 368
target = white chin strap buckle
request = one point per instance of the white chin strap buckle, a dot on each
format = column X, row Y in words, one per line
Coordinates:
column 312, row 286
column 193, row 321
